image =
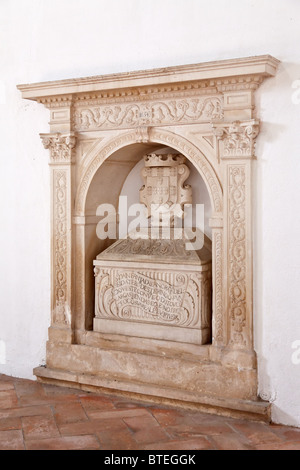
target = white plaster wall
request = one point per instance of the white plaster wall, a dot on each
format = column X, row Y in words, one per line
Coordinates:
column 53, row 39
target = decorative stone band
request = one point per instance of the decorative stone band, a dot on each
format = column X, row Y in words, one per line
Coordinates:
column 238, row 138
column 154, row 113
column 60, row 308
column 61, row 146
column 238, row 245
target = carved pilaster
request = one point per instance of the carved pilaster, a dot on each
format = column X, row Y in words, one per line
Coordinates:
column 237, row 145
column 62, row 149
column 238, row 271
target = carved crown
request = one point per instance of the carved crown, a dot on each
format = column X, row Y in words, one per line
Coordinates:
column 169, row 160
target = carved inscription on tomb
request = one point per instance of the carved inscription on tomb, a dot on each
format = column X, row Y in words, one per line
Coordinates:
column 155, row 298
column 149, row 296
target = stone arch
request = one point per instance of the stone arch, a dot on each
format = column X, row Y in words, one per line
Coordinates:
column 101, row 153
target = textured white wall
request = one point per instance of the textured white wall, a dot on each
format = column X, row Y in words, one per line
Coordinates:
column 53, row 39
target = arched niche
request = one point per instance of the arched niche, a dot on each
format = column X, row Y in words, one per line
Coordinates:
column 105, row 187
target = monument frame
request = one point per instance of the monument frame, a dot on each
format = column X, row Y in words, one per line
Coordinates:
column 99, row 129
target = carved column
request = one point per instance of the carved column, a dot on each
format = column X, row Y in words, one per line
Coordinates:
column 61, row 148
column 237, row 142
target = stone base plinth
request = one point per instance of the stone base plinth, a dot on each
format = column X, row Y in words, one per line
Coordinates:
column 185, row 377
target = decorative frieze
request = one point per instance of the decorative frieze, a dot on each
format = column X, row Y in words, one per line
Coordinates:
column 61, row 146
column 136, row 114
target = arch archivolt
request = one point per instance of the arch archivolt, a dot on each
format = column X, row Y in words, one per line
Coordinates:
column 101, row 152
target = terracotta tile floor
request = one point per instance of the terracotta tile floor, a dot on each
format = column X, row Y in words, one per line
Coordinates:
column 41, row 417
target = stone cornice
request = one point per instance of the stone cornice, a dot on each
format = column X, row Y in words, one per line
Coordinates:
column 210, row 74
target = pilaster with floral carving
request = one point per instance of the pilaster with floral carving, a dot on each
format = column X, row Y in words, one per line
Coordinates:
column 62, row 154
column 236, row 146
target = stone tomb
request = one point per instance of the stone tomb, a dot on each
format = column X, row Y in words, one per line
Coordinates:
column 157, row 288
column 156, row 295
column 100, row 128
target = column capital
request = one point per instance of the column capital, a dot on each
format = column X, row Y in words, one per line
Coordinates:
column 61, row 146
column 237, row 137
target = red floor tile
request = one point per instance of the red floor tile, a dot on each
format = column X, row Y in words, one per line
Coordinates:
column 6, row 386
column 8, row 399
column 113, row 414
column 25, row 411
column 39, row 427
column 10, row 424
column 91, row 427
column 256, row 433
column 11, row 440
column 146, row 429
column 117, row 440
column 65, row 443
column 231, row 441
column 189, row 444
column 35, row 416
column 69, row 413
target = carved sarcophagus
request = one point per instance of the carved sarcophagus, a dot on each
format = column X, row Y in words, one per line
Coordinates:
column 154, row 289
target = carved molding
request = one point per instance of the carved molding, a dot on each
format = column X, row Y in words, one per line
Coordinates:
column 61, row 146
column 218, row 313
column 237, row 253
column 166, row 112
column 164, row 137
column 60, row 248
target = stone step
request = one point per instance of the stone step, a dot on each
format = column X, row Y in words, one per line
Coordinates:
column 256, row 410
